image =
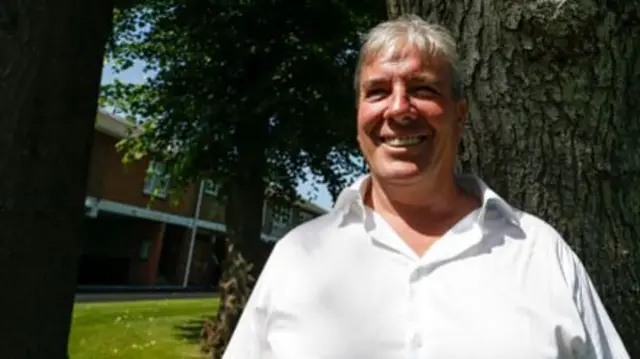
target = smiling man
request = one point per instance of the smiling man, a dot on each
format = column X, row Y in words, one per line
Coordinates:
column 414, row 260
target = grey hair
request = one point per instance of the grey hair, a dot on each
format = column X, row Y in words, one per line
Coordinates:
column 392, row 36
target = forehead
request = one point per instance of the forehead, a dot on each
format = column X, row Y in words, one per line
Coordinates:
column 405, row 62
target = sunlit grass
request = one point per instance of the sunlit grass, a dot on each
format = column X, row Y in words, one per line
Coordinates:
column 158, row 329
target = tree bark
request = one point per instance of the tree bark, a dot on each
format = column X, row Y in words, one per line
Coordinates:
column 554, row 124
column 246, row 252
column 51, row 55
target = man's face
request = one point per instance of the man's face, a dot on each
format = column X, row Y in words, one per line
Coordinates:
column 409, row 125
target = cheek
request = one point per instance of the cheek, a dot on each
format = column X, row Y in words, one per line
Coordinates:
column 367, row 121
column 435, row 114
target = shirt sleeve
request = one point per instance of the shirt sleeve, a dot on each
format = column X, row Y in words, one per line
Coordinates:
column 603, row 340
column 249, row 340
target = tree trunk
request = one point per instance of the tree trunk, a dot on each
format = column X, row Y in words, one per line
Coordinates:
column 51, row 55
column 554, row 124
column 246, row 252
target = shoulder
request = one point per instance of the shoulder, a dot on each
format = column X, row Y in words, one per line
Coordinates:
column 316, row 244
column 308, row 237
column 297, row 259
column 543, row 233
column 567, row 275
column 548, row 241
column 538, row 228
column 301, row 243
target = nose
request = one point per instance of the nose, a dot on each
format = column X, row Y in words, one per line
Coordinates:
column 399, row 105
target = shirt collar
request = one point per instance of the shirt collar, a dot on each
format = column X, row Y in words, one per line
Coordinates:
column 350, row 201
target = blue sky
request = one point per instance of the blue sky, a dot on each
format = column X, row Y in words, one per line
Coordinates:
column 135, row 74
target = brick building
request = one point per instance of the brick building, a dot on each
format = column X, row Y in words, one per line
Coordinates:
column 134, row 242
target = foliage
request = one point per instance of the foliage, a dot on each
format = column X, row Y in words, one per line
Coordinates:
column 280, row 65
column 216, row 333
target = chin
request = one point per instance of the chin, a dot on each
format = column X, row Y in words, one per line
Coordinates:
column 400, row 175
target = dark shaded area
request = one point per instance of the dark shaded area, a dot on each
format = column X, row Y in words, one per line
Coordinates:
column 191, row 330
column 107, row 250
column 52, row 56
column 123, row 296
column 105, row 271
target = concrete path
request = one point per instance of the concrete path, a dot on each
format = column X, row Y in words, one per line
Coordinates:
column 122, row 297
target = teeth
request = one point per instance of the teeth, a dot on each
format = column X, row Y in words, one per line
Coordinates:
column 403, row 141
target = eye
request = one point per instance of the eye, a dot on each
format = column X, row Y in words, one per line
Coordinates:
column 424, row 91
column 375, row 93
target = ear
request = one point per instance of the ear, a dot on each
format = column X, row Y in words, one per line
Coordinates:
column 358, row 140
column 461, row 113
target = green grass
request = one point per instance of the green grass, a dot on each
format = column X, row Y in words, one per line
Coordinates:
column 158, row 329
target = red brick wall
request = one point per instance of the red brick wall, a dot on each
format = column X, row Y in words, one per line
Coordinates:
column 144, row 270
column 110, row 179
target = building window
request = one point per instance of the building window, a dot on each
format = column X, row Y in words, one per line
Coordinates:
column 145, row 248
column 304, row 216
column 213, row 207
column 281, row 219
column 157, row 180
column 210, row 188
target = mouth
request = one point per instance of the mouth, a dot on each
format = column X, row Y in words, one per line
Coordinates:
column 402, row 141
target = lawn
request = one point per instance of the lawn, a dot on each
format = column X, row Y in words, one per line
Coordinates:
column 158, row 329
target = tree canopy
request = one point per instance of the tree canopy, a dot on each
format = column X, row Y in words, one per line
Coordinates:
column 268, row 74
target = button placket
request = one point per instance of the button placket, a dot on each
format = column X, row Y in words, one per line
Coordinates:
column 414, row 333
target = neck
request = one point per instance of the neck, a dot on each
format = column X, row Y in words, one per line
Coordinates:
column 434, row 197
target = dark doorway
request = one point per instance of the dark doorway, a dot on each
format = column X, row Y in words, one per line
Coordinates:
column 109, row 247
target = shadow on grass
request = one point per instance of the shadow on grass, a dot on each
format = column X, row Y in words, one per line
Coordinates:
column 191, row 330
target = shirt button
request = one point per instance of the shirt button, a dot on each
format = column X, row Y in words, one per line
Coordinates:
column 416, row 342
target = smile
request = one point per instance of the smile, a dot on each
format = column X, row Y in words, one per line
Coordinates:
column 403, row 141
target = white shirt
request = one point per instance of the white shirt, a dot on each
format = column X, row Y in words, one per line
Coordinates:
column 500, row 284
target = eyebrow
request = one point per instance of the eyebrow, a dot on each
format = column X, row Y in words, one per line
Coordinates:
column 429, row 79
column 416, row 78
column 374, row 82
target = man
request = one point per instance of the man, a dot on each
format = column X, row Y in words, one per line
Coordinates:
column 415, row 261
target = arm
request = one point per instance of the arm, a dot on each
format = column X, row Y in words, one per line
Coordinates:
column 251, row 337
column 603, row 341
column 248, row 340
